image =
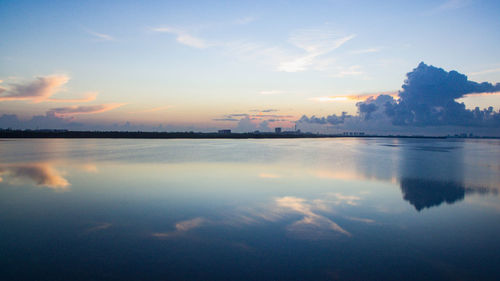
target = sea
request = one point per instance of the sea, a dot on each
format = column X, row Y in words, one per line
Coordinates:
column 250, row 209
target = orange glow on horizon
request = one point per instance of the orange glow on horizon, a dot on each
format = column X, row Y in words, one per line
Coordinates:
column 357, row 98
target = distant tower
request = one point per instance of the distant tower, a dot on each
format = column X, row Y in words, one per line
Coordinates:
column 277, row 130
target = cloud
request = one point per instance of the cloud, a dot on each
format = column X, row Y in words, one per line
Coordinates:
column 486, row 71
column 226, row 119
column 354, row 70
column 454, row 4
column 37, row 91
column 184, row 37
column 246, row 119
column 330, row 119
column 98, row 227
column 315, row 43
column 48, row 121
column 181, row 228
column 264, row 126
column 91, row 96
column 365, row 220
column 90, row 109
column 374, row 107
column 356, row 97
column 245, row 125
column 428, row 98
column 43, row 174
column 100, row 36
column 307, row 49
column 364, row 51
column 41, row 90
column 264, row 110
column 450, row 5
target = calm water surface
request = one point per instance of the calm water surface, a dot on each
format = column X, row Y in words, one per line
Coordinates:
column 302, row 209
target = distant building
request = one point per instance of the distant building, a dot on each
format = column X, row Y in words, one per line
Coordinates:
column 277, row 130
column 354, row 133
column 224, row 131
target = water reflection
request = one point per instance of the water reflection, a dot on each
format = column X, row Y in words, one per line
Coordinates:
column 42, row 174
column 181, row 228
column 434, row 174
column 429, row 193
column 312, row 224
column 309, row 219
column 231, row 210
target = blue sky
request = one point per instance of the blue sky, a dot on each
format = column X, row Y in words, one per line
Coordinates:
column 187, row 64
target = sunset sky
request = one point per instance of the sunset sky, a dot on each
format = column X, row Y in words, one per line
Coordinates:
column 200, row 65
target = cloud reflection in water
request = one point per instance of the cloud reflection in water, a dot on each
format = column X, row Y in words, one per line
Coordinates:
column 180, row 228
column 313, row 224
column 43, row 174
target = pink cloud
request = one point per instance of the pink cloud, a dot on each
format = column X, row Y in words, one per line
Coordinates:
column 76, row 110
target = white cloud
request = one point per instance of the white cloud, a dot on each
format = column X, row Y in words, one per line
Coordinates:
column 100, row 36
column 486, row 71
column 307, row 49
column 365, row 51
column 315, row 43
column 184, row 37
column 354, row 70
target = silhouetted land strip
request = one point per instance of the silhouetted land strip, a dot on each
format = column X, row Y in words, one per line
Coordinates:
column 178, row 135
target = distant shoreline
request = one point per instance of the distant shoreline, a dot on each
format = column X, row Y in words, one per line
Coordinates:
column 28, row 134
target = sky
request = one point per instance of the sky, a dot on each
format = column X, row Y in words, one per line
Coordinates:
column 249, row 65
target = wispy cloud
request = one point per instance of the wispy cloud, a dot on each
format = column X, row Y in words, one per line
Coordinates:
column 364, row 51
column 265, row 110
column 260, row 52
column 184, row 37
column 76, row 110
column 100, row 36
column 260, row 116
column 486, row 71
column 37, row 91
column 354, row 70
column 450, row 5
column 91, row 96
column 307, row 48
column 98, row 227
column 315, row 43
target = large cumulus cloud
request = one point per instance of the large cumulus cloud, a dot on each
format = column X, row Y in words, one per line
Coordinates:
column 428, row 99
